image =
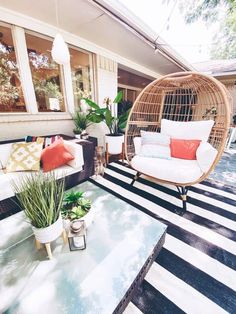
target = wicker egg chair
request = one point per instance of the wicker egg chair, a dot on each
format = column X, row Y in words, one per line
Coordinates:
column 184, row 96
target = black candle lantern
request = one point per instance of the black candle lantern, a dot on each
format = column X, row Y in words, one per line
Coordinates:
column 77, row 235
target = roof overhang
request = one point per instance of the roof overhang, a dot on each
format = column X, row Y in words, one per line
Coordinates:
column 112, row 29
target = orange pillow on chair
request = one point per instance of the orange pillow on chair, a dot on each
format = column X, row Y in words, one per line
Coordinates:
column 184, row 149
column 55, row 155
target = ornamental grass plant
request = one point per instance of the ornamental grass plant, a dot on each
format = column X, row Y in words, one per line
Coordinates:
column 41, row 197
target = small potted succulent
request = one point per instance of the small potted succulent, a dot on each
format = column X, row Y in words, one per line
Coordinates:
column 81, row 122
column 76, row 206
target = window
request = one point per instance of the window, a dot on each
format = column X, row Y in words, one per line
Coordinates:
column 11, row 95
column 80, row 71
column 46, row 75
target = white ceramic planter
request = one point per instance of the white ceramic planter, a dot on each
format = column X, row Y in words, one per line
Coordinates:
column 48, row 234
column 114, row 143
column 78, row 136
column 88, row 219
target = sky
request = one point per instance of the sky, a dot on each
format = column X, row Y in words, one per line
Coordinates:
column 191, row 41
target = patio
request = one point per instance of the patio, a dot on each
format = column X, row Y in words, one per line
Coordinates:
column 195, row 270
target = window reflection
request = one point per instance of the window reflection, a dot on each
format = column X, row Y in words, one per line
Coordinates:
column 46, row 75
column 80, row 71
column 11, row 96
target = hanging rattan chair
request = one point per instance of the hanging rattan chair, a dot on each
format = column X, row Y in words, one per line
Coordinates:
column 183, row 97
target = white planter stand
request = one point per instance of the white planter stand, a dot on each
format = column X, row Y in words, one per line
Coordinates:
column 49, row 234
column 114, row 146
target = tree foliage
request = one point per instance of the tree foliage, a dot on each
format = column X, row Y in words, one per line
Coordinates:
column 224, row 46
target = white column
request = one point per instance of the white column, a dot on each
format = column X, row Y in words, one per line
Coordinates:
column 69, row 88
column 24, row 69
column 106, row 87
column 106, row 78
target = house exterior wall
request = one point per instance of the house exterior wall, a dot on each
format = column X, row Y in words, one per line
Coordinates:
column 12, row 127
column 106, row 87
column 230, row 85
column 15, row 125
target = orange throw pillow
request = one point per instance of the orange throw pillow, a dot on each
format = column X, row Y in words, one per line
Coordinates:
column 184, row 149
column 55, row 155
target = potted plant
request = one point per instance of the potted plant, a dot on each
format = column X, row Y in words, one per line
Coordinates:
column 41, row 197
column 81, row 122
column 49, row 91
column 96, row 115
column 76, row 206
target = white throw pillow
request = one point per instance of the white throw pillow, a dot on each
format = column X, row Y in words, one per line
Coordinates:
column 206, row 155
column 192, row 130
column 154, row 144
column 77, row 151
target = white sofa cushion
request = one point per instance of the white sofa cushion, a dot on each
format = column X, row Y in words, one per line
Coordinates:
column 77, row 151
column 5, row 151
column 206, row 155
column 192, row 130
column 174, row 169
column 7, row 179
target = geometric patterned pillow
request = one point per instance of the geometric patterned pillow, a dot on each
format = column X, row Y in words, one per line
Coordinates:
column 25, row 156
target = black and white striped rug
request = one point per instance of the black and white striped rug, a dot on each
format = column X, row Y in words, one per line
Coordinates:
column 195, row 271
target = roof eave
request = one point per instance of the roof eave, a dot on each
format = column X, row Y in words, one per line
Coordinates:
column 119, row 12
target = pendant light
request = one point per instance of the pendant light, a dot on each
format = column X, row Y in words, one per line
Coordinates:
column 60, row 52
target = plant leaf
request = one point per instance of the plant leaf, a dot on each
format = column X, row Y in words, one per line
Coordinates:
column 91, row 103
column 95, row 118
column 118, row 97
column 122, row 120
column 108, row 118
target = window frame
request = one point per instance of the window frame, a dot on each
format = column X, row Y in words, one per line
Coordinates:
column 61, row 71
column 91, row 72
column 32, row 113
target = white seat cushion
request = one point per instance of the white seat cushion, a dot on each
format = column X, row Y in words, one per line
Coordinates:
column 174, row 170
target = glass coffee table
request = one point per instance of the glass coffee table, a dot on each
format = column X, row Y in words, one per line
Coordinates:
column 122, row 243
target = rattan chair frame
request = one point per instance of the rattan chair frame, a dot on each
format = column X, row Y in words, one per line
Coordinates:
column 183, row 96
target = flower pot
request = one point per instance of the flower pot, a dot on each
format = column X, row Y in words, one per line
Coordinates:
column 88, row 219
column 78, row 136
column 50, row 233
column 114, row 143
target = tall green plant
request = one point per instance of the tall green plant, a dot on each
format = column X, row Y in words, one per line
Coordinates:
column 97, row 114
column 41, row 197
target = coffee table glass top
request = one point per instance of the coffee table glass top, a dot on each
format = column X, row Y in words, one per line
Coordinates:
column 94, row 280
